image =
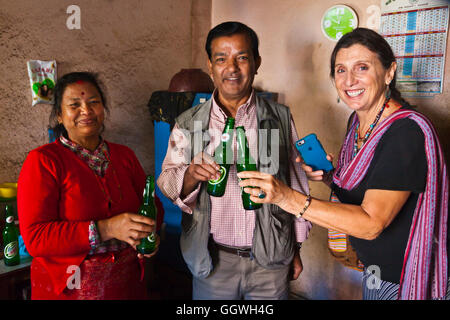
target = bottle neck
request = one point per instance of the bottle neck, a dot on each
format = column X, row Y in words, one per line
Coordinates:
column 149, row 192
column 243, row 154
column 227, row 132
column 9, row 214
column 229, row 126
column 149, row 199
column 10, row 220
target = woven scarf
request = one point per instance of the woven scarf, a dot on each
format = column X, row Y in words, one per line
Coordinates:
column 424, row 271
column 97, row 160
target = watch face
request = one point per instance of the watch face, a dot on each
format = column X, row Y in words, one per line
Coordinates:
column 337, row 21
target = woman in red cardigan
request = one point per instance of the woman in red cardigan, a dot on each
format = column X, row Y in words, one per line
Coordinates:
column 77, row 202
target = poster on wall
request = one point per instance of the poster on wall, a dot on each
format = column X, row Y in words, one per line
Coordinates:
column 417, row 32
column 42, row 76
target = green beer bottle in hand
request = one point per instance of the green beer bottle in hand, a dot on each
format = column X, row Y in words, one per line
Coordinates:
column 216, row 188
column 245, row 162
column 148, row 209
column 10, row 239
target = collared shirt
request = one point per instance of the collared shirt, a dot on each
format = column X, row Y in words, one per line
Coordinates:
column 98, row 161
column 231, row 224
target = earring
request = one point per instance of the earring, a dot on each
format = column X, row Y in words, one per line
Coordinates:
column 387, row 94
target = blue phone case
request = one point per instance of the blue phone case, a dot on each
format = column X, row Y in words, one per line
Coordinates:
column 313, row 153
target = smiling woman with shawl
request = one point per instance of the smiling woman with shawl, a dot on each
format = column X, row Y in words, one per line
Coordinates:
column 390, row 182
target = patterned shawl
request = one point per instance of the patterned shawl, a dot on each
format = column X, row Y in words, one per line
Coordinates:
column 424, row 272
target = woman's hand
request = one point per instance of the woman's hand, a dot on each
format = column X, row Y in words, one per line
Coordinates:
column 276, row 191
column 318, row 175
column 128, row 227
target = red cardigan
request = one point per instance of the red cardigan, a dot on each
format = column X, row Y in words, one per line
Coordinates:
column 58, row 195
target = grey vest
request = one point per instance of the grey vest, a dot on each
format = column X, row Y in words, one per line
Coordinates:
column 274, row 236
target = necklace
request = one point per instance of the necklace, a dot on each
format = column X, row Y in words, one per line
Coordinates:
column 369, row 130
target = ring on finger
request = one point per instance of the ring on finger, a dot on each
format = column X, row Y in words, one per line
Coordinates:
column 261, row 194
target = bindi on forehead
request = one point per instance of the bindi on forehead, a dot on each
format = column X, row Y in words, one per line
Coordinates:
column 82, row 90
column 80, row 82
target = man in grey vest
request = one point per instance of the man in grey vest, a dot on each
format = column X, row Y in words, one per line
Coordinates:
column 235, row 253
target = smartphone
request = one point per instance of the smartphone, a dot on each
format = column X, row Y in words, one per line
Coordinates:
column 313, row 153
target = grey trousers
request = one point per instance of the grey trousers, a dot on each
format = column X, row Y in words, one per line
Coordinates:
column 236, row 278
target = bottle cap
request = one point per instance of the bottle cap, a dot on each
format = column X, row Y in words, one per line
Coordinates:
column 230, row 120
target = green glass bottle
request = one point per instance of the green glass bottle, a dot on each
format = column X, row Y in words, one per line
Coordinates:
column 217, row 187
column 10, row 239
column 245, row 162
column 148, row 209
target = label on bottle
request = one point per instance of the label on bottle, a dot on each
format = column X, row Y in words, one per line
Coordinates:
column 223, row 172
column 225, row 137
column 151, row 237
column 10, row 219
column 11, row 250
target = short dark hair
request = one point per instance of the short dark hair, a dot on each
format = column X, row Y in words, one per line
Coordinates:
column 230, row 28
column 60, row 88
column 375, row 43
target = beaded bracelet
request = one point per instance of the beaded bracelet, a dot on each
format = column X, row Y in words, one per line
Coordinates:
column 307, row 203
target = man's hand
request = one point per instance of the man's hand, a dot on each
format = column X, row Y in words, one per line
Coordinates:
column 202, row 168
column 296, row 266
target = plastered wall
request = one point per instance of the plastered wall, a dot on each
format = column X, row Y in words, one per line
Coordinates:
column 295, row 63
column 135, row 46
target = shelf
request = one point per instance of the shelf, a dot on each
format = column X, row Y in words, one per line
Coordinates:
column 24, row 263
column 7, row 199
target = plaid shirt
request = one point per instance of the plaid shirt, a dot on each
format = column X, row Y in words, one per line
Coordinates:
column 231, row 224
column 98, row 161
